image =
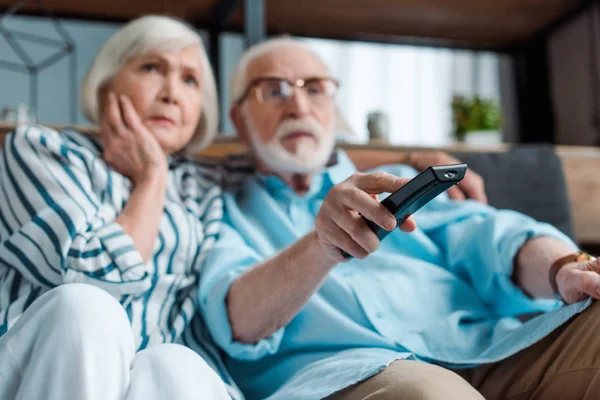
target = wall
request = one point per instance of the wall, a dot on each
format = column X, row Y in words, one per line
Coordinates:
column 508, row 99
column 54, row 96
column 54, row 90
column 572, row 81
column 232, row 46
column 414, row 85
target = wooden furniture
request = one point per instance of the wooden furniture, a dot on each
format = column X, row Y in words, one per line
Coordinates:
column 581, row 167
column 496, row 24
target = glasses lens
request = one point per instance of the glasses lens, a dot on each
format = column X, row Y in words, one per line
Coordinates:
column 274, row 90
column 277, row 91
column 320, row 89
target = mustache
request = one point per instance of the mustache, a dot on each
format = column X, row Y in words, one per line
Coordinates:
column 309, row 125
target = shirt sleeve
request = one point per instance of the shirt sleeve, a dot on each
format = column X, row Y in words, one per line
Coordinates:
column 54, row 226
column 480, row 244
column 226, row 261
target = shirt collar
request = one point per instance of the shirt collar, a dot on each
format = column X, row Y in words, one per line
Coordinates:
column 341, row 169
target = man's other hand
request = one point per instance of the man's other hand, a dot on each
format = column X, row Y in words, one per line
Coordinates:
column 472, row 185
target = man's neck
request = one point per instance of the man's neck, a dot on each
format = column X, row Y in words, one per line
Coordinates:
column 300, row 183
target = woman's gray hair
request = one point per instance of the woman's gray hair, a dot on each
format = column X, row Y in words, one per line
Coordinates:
column 142, row 35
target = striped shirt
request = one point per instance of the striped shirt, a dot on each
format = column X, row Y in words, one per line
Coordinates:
column 58, row 203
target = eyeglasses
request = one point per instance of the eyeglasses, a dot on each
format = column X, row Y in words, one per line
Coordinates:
column 276, row 91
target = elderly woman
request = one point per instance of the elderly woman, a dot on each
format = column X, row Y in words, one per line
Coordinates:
column 101, row 239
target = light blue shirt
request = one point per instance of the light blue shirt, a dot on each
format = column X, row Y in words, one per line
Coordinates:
column 442, row 294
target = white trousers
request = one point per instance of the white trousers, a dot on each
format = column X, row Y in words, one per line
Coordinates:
column 75, row 343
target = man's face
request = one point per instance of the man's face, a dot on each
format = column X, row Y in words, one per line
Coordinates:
column 289, row 133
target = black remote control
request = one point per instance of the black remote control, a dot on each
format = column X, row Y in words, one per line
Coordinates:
column 417, row 192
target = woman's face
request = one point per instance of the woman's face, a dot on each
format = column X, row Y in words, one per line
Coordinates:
column 165, row 89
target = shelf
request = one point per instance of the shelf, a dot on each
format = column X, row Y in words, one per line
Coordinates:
column 497, row 24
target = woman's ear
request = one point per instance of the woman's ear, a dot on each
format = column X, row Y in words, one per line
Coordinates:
column 235, row 113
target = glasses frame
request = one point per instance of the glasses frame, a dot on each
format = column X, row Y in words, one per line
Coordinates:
column 298, row 83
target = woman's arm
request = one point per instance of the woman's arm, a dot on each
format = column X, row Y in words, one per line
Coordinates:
column 132, row 150
column 57, row 226
column 141, row 215
column 57, row 218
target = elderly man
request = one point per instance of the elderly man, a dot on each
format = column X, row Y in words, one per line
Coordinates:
column 430, row 314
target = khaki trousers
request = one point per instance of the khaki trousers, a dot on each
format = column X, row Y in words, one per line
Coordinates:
column 563, row 366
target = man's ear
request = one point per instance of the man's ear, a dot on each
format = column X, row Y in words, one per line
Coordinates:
column 235, row 113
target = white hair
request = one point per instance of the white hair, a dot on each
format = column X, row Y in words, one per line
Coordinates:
column 142, row 35
column 238, row 80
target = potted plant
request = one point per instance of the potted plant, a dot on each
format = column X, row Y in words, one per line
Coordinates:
column 476, row 120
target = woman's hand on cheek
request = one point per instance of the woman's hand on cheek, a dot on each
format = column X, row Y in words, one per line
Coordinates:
column 129, row 147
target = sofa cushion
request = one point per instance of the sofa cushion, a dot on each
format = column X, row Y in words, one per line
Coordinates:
column 528, row 179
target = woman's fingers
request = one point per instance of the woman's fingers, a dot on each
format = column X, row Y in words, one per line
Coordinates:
column 130, row 116
column 113, row 115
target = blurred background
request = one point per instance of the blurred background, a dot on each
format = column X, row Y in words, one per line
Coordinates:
column 412, row 72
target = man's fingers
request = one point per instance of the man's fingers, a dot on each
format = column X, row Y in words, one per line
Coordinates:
column 409, row 225
column 342, row 240
column 455, row 193
column 473, row 186
column 589, row 283
column 361, row 202
column 378, row 182
column 592, row 265
column 356, row 227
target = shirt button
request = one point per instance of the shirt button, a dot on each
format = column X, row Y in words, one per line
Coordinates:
column 379, row 315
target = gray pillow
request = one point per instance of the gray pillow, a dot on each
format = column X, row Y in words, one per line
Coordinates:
column 528, row 179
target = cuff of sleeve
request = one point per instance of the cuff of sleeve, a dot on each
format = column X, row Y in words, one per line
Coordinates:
column 122, row 251
column 520, row 302
column 215, row 312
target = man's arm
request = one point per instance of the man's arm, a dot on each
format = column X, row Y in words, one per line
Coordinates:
column 533, row 262
column 575, row 281
column 482, row 244
column 291, row 277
